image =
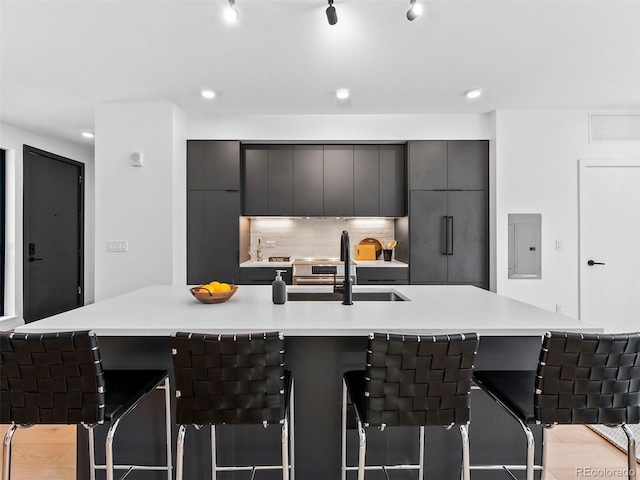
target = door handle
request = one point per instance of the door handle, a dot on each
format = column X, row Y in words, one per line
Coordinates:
column 34, row 259
column 445, row 249
column 591, row 263
column 451, row 236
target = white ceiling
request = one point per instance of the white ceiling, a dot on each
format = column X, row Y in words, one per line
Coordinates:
column 59, row 58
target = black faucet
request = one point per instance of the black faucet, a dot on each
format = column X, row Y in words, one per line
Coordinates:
column 345, row 256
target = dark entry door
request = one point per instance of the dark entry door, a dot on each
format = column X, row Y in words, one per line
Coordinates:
column 53, row 234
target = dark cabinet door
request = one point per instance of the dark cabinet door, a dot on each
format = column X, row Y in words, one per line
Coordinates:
column 427, row 227
column 280, row 179
column 338, row 180
column 213, row 165
column 256, row 186
column 308, row 173
column 468, row 165
column 468, row 261
column 366, row 181
column 392, row 181
column 212, row 235
column 427, row 165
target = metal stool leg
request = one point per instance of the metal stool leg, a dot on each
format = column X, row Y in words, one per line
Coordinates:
column 421, row 455
column 214, row 461
column 6, row 459
column 285, row 450
column 362, row 450
column 292, row 456
column 464, row 433
column 631, row 452
column 343, row 473
column 182, row 431
column 108, row 445
column 167, row 420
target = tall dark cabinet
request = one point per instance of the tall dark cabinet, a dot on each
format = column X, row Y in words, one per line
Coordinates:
column 213, row 210
column 448, row 212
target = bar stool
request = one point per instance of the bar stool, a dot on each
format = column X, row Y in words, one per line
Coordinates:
column 410, row 380
column 581, row 379
column 233, row 380
column 57, row 378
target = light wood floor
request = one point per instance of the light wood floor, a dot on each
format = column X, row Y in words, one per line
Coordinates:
column 48, row 452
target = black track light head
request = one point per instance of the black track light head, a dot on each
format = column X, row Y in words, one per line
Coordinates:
column 414, row 10
column 332, row 16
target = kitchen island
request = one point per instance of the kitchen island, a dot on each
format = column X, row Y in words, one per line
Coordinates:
column 323, row 339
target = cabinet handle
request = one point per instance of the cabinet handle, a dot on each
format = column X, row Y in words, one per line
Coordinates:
column 445, row 249
column 450, row 219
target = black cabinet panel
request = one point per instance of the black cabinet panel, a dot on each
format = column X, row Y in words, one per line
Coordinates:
column 427, row 223
column 366, row 181
column 338, row 180
column 280, row 179
column 382, row 275
column 392, row 181
column 427, row 165
column 212, row 235
column 256, row 187
column 468, row 262
column 263, row 275
column 468, row 164
column 308, row 172
column 213, row 165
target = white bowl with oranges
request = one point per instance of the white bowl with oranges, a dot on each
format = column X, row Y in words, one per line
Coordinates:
column 214, row 292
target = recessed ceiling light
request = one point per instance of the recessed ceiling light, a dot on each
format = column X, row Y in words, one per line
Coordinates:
column 342, row 94
column 208, row 94
column 88, row 134
column 231, row 13
column 474, row 93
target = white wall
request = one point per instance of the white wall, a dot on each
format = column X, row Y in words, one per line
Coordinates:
column 146, row 206
column 347, row 128
column 13, row 139
column 536, row 171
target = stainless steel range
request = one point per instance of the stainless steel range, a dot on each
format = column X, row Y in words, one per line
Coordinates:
column 320, row 271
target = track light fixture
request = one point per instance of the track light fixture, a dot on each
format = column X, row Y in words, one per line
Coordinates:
column 414, row 10
column 231, row 13
column 332, row 16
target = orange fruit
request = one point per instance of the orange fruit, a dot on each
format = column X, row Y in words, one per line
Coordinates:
column 223, row 287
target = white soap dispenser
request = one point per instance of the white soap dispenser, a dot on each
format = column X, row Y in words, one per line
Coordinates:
column 279, row 289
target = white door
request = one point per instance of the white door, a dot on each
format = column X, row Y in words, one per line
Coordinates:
column 610, row 244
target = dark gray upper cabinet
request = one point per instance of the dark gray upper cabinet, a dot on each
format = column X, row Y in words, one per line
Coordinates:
column 308, row 172
column 448, row 165
column 427, row 164
column 280, row 179
column 366, row 181
column 468, row 164
column 213, row 235
column 213, row 165
column 338, row 180
column 392, row 173
column 255, row 190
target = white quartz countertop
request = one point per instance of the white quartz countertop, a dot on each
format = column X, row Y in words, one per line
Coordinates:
column 163, row 310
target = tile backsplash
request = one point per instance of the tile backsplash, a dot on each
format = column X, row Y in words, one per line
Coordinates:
column 315, row 237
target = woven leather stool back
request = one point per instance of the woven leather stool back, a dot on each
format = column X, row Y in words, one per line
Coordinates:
column 228, row 379
column 419, row 380
column 588, row 378
column 51, row 378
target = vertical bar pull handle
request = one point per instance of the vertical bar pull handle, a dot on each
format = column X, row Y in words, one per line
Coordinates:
column 445, row 228
column 450, row 224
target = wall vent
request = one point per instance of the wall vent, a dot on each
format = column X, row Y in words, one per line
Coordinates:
column 614, row 128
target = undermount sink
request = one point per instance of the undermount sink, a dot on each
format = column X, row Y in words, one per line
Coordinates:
column 381, row 296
